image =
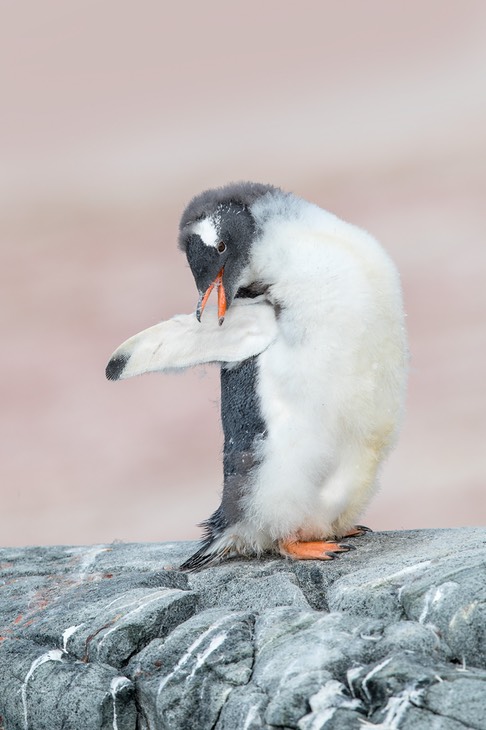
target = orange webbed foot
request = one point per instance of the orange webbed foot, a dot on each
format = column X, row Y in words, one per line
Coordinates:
column 312, row 550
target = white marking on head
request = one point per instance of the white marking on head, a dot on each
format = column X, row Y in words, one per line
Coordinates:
column 206, row 230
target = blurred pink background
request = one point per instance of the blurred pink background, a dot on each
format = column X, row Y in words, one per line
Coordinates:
column 113, row 115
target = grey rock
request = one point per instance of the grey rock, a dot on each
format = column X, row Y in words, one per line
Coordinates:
column 119, row 630
column 453, row 604
column 244, row 708
column 255, row 590
column 185, row 681
column 441, row 699
column 42, row 689
column 114, row 636
column 109, row 619
column 400, row 713
column 406, row 680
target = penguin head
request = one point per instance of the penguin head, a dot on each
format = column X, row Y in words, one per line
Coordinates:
column 217, row 231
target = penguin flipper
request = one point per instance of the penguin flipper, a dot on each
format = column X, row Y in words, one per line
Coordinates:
column 183, row 342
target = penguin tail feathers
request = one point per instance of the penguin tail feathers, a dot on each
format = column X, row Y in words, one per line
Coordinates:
column 204, row 556
column 200, row 559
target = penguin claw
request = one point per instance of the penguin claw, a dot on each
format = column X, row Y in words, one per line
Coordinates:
column 313, row 549
column 345, row 548
column 357, row 531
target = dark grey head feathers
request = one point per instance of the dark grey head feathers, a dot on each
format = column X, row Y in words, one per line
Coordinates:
column 243, row 194
column 217, row 230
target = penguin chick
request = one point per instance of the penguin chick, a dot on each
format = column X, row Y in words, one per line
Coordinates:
column 309, row 334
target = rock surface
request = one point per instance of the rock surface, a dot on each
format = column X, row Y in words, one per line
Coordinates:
column 392, row 635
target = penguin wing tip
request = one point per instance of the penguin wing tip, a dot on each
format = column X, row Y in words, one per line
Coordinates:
column 116, row 366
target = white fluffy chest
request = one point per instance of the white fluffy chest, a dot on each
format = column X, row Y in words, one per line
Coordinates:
column 330, row 386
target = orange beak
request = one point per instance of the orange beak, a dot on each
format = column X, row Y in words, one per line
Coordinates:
column 218, row 283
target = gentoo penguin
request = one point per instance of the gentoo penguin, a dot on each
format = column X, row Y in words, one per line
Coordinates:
column 309, row 334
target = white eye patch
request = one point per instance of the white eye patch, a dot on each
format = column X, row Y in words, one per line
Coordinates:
column 206, row 230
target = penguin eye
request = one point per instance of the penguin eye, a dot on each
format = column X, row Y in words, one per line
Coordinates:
column 221, row 247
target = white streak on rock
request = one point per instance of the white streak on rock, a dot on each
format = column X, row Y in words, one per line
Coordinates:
column 332, row 695
column 435, row 595
column 135, row 601
column 253, row 715
column 117, row 684
column 324, row 704
column 145, row 601
column 416, row 568
column 55, row 655
column 213, row 645
column 464, row 614
column 88, row 559
column 395, row 709
column 367, row 637
column 189, row 654
column 427, row 604
column 351, row 675
column 67, row 633
column 318, row 720
column 371, row 674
